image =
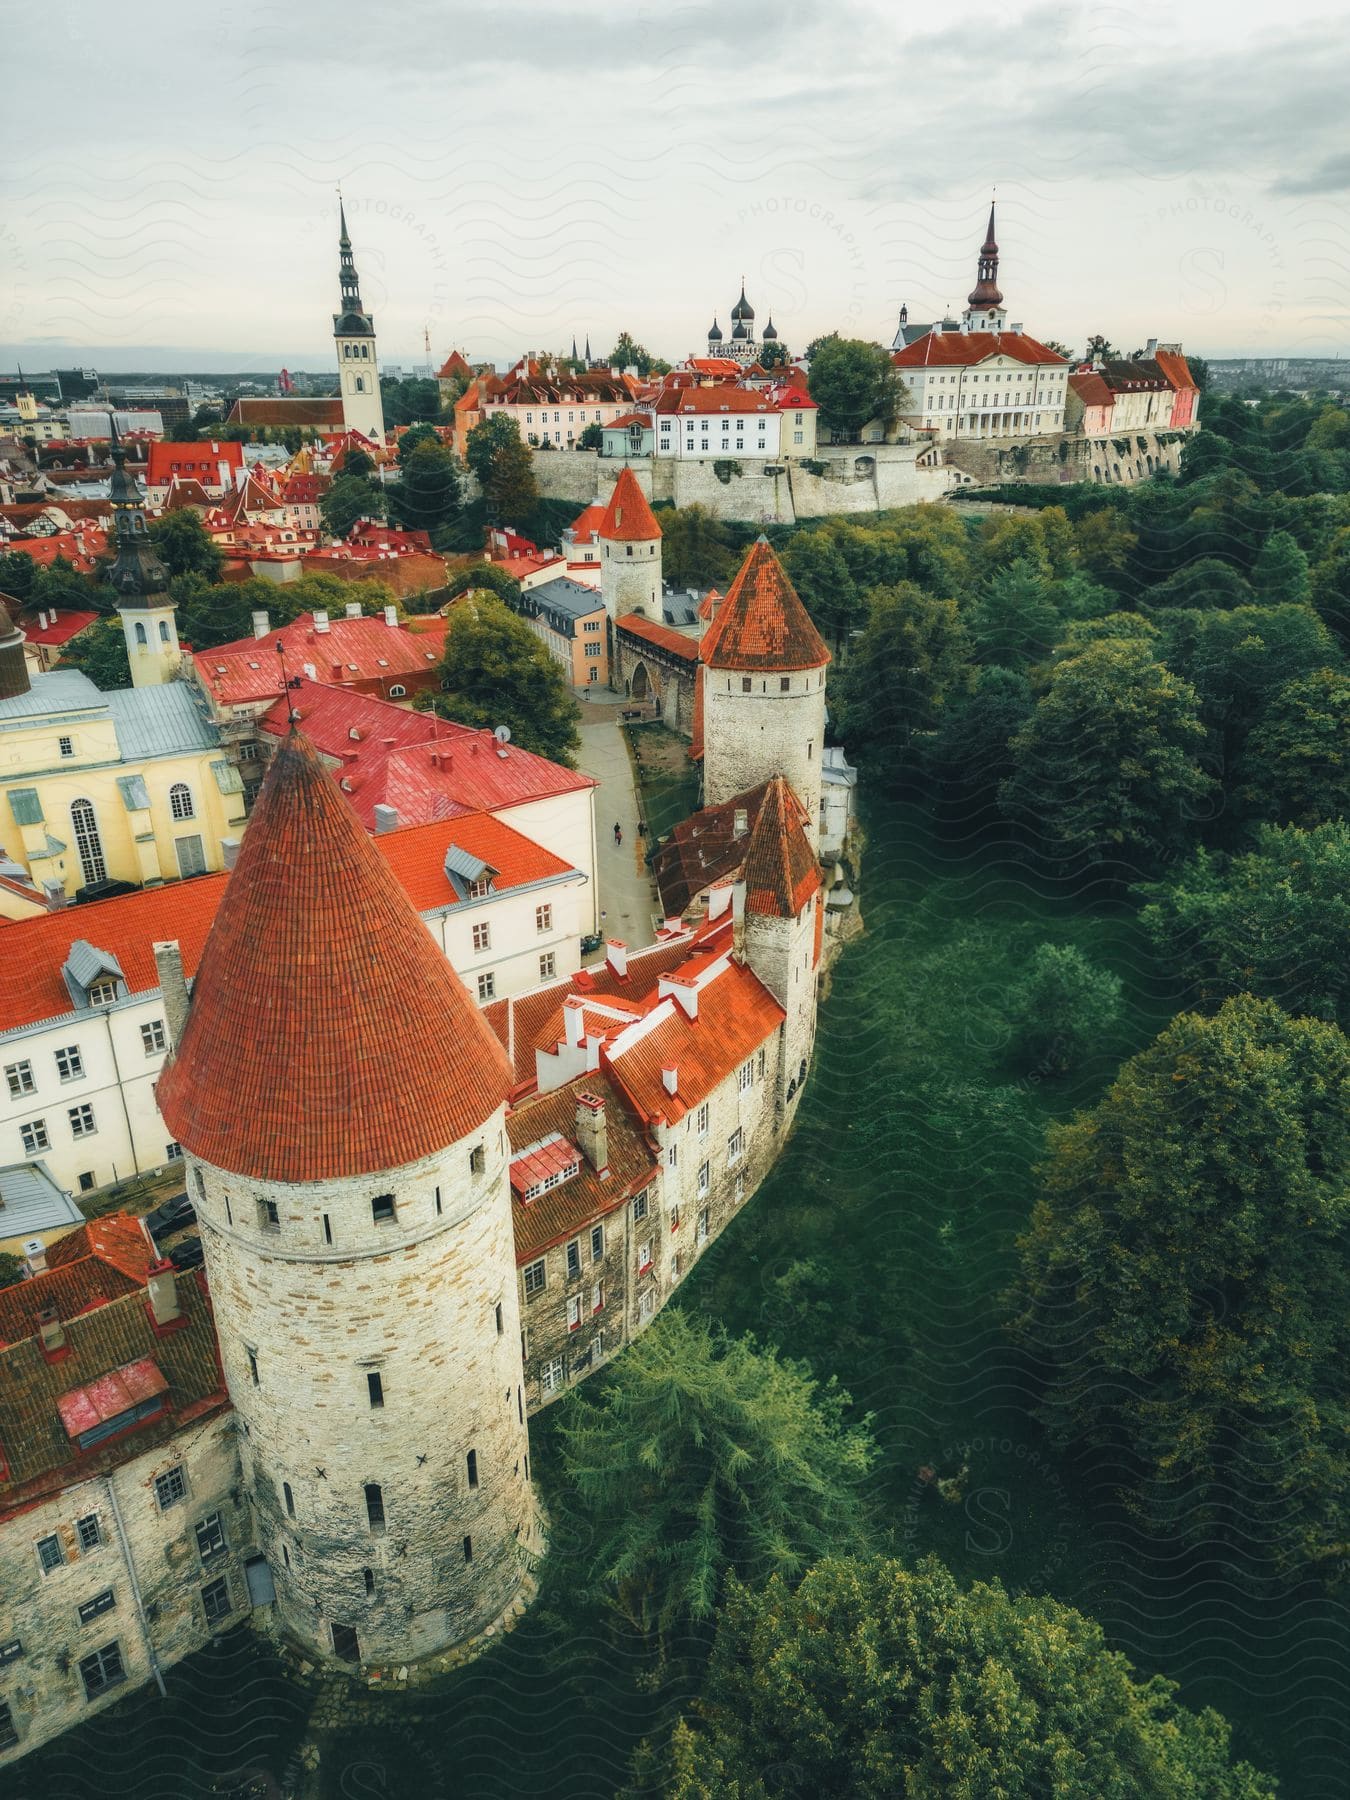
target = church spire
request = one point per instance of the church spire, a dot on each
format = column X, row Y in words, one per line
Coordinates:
column 986, row 292
column 136, row 573
column 348, row 285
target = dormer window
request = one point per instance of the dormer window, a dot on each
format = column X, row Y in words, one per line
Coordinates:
column 103, row 993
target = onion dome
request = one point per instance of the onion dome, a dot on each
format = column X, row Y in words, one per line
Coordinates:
column 738, row 330
column 743, row 308
column 762, row 625
column 770, row 333
column 327, row 1036
column 714, row 333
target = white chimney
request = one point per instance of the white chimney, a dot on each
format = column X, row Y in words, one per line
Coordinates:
column 391, row 617
column 740, row 822
column 592, row 1133
column 229, row 851
column 261, row 625
column 354, row 609
column 386, row 818
column 172, row 985
column 574, row 1018
column 320, row 619
column 162, row 1291
column 670, row 1078
column 35, row 1255
column 51, row 1332
column 616, row 955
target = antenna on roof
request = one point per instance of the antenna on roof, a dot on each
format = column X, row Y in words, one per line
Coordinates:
column 288, row 682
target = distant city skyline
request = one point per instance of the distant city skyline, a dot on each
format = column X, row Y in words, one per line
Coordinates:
column 516, row 178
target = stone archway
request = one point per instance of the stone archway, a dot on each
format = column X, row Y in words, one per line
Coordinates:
column 639, row 684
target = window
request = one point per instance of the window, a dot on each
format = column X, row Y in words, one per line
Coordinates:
column 50, row 1555
column 487, row 987
column 703, row 1120
column 382, row 1210
column 289, row 1498
column 482, row 935
column 81, row 1121
column 644, row 1256
column 248, row 752
column 375, row 1505
column 736, row 1145
column 574, row 1312
column 497, row 1310
column 87, row 841
column 704, row 1177
column 87, row 1531
column 760, row 1063
column 216, row 1600
column 90, row 1610
column 397, row 692
column 701, row 1231
column 574, row 1258
column 66, row 746
column 597, row 1242
column 543, row 915
column 675, row 1217
column 102, row 1670
column 597, row 1297
column 468, row 1549
column 535, row 1278
column 252, row 1356
column 103, row 993
column 647, row 1303
column 368, row 1577
column 477, row 1160
column 170, row 1487
column 639, row 1207
column 180, row 800
column 552, row 1375
column 746, row 684
column 672, row 1156
column 375, row 1387
column 10, row 1651
column 142, row 642
column 745, row 1075
column 20, row 1078
column 739, row 1194
column 34, row 1135
column 210, row 1537
column 548, row 966
column 152, row 1036
column 268, row 1217
column 173, row 1152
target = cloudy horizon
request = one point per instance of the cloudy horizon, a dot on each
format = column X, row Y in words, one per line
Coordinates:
column 516, row 178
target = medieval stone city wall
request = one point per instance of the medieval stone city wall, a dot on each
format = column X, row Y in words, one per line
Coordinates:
column 1119, row 460
column 768, row 728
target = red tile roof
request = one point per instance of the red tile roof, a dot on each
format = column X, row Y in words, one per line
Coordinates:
column 565, row 1210
column 94, row 1263
column 628, row 517
column 771, row 851
column 943, row 349
column 327, row 1037
column 416, row 854
column 350, row 651
column 286, row 412
column 762, row 625
column 538, row 1160
column 587, row 522
column 1176, row 370
column 183, row 494
column 80, row 548
column 453, row 365
column 109, row 1396
column 664, row 636
column 781, row 871
column 1091, row 389
column 713, row 400
column 197, row 462
column 59, row 629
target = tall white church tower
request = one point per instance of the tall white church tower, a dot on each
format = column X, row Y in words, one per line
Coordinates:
column 341, row 1106
column 354, row 337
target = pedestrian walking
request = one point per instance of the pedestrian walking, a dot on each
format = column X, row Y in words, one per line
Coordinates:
column 618, row 832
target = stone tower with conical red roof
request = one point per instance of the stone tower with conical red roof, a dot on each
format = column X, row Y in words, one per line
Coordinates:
column 630, row 552
column 763, row 672
column 341, row 1107
column 782, row 925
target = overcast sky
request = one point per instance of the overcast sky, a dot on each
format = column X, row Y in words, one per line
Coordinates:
column 517, row 175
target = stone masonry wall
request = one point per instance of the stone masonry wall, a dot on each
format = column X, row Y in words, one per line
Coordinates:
column 41, row 1681
column 1122, row 459
column 748, row 737
column 307, row 1310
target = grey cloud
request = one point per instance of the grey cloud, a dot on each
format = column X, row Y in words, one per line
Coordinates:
column 1332, row 176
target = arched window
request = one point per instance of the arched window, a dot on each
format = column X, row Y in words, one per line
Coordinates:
column 140, row 635
column 396, row 692
column 87, row 841
column 180, row 800
column 163, row 631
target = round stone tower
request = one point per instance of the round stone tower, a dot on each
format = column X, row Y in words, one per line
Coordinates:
column 630, row 553
column 341, row 1107
column 763, row 672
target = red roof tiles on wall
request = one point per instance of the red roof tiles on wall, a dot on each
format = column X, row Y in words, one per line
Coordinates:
column 761, row 624
column 327, row 1037
column 628, row 518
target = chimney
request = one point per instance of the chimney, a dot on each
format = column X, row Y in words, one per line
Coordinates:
column 592, row 1135
column 670, row 1078
column 261, row 624
column 616, row 955
column 35, row 1255
column 1151, row 349
column 320, row 619
column 738, row 918
column 740, row 822
column 52, row 1333
column 574, row 1015
column 311, row 673
column 53, row 895
column 162, row 1292
column 386, row 818
column 173, row 986
column 391, row 617
column 354, row 609
column 229, row 851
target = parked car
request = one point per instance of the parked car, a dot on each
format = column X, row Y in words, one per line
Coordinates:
column 188, row 1255
column 177, row 1210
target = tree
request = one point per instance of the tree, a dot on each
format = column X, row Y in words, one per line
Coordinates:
column 703, row 1454
column 1100, row 349
column 774, row 355
column 11, row 1269
column 350, row 498
column 184, row 548
column 854, row 382
column 911, row 663
column 426, row 496
column 1014, row 621
column 17, row 574
column 501, row 462
column 1104, row 541
column 871, row 1680
column 1061, row 1008
column 356, row 461
column 1206, row 582
column 1185, row 1282
column 816, row 568
column 627, row 354
column 696, row 548
column 100, row 652
column 1272, row 921
column 1108, row 764
column 496, row 672
column 410, row 438
column 592, row 438
column 1044, row 540
column 1331, row 584
column 1296, row 765
column 1280, row 574
column 969, row 751
column 485, row 577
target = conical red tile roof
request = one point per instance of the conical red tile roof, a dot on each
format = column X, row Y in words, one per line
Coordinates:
column 328, row 1036
column 762, row 625
column 781, row 872
column 628, row 518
